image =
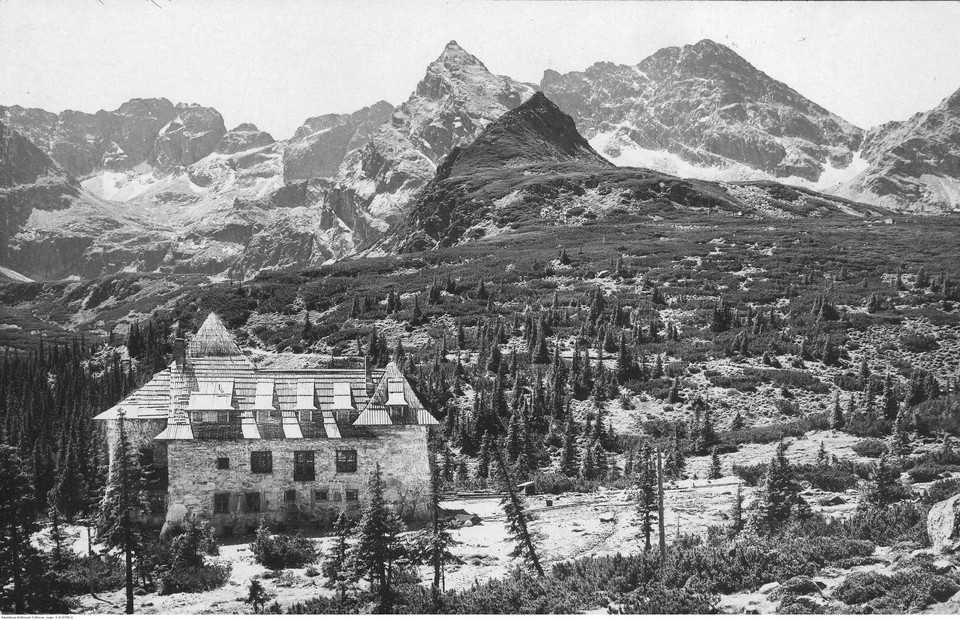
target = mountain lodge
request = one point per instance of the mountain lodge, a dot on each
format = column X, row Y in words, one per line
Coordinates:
column 232, row 442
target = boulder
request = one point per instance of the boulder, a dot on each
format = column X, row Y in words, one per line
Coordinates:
column 943, row 525
column 768, row 587
column 836, row 500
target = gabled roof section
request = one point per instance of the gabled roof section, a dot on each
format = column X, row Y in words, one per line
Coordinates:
column 394, row 389
column 213, row 339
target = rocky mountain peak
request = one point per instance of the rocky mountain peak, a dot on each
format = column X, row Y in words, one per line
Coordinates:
column 703, row 106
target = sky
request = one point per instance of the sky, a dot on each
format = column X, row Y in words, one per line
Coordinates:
column 276, row 62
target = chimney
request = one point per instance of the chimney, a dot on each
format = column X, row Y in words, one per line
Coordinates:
column 180, row 352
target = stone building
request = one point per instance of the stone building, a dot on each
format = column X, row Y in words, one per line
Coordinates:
column 233, row 442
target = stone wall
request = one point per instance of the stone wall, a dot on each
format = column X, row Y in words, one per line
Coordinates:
column 140, row 434
column 194, row 478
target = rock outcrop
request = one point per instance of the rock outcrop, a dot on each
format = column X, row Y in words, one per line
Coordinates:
column 243, row 137
column 943, row 525
column 82, row 143
column 319, row 146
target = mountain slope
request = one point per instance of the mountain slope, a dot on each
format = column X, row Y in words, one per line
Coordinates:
column 703, row 111
column 914, row 165
column 532, row 168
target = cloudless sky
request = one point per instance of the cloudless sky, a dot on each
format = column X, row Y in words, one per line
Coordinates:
column 276, row 62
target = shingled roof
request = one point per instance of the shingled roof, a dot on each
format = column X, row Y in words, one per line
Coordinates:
column 216, row 369
column 213, row 339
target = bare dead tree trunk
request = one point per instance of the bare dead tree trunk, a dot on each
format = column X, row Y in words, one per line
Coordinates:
column 660, row 525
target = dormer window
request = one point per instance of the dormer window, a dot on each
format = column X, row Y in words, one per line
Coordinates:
column 342, row 397
column 395, row 395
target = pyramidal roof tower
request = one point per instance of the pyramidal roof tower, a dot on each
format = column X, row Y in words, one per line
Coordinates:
column 213, row 339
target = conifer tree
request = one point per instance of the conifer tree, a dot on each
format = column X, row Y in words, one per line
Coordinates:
column 715, row 471
column 778, row 496
column 119, row 523
column 899, row 439
column 483, row 460
column 883, row 489
column 336, row 567
column 569, row 463
column 377, row 547
column 17, row 524
column 588, row 465
column 890, row 405
column 647, row 501
column 736, row 512
column 837, row 421
column 432, row 546
column 517, row 519
column 674, row 396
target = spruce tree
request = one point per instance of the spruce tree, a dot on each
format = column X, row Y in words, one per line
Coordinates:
column 647, row 496
column 120, row 527
column 837, row 421
column 17, row 524
column 884, row 489
column 568, row 453
column 377, row 547
column 517, row 519
column 736, row 512
column 432, row 546
column 778, row 496
column 715, row 471
column 336, row 567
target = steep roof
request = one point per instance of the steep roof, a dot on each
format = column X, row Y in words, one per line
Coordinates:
column 213, row 339
column 217, row 378
column 377, row 413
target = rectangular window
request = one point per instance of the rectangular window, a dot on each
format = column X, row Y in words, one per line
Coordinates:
column 321, row 496
column 303, row 466
column 261, row 462
column 290, row 496
column 221, row 503
column 346, row 461
column 251, row 502
column 352, row 494
column 158, row 504
column 223, row 462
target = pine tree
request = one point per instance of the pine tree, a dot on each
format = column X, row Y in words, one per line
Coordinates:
column 674, row 396
column 568, row 453
column 647, row 501
column 588, row 465
column 715, row 471
column 883, row 489
column 336, row 567
column 778, row 496
column 837, row 421
column 17, row 524
column 517, row 520
column 378, row 547
column 483, row 460
column 257, row 596
column 899, row 439
column 432, row 546
column 736, row 513
column 119, row 527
